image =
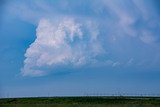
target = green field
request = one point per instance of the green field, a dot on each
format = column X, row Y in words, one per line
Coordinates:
column 81, row 102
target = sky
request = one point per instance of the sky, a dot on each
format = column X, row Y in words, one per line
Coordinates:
column 79, row 47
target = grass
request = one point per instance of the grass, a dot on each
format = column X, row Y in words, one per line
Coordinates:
column 81, row 102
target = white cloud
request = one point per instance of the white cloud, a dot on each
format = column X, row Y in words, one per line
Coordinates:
column 57, row 43
column 147, row 37
column 130, row 62
column 115, row 29
column 116, row 64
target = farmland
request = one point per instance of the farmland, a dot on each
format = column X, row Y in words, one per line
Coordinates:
column 81, row 102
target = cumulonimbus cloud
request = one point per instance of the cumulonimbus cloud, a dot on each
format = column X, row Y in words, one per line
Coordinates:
column 62, row 42
column 77, row 33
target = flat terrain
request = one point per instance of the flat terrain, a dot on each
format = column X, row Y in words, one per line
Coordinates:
column 81, row 102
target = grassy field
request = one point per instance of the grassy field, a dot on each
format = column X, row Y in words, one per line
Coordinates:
column 81, row 102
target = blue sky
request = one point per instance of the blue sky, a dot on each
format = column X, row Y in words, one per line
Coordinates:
column 68, row 47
